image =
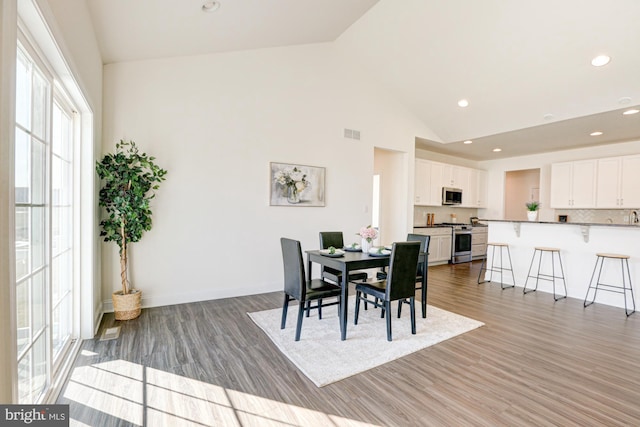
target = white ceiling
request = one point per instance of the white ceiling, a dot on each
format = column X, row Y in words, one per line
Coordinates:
column 143, row 29
column 515, row 61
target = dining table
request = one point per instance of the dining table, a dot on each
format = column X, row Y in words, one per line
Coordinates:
column 358, row 260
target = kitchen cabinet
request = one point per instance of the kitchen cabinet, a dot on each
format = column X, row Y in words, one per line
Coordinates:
column 439, row 243
column 482, row 189
column 455, row 177
column 617, row 179
column 422, row 184
column 475, row 195
column 436, row 183
column 479, row 242
column 430, row 177
column 573, row 184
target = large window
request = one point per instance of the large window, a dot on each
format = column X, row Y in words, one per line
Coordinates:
column 44, row 226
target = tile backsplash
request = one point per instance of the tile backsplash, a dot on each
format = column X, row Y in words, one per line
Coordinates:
column 442, row 214
column 604, row 216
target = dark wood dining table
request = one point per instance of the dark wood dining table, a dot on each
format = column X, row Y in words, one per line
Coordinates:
column 351, row 261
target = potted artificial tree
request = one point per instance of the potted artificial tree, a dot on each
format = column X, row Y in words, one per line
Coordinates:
column 129, row 180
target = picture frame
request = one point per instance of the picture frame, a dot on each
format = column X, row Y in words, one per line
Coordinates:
column 296, row 185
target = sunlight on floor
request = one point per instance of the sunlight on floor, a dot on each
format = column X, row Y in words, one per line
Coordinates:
column 141, row 395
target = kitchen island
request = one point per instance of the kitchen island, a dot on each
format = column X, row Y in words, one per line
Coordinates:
column 578, row 244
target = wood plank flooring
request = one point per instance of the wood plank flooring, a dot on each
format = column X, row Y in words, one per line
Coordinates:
column 536, row 362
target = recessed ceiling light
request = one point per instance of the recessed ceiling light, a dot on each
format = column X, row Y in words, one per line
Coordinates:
column 596, row 133
column 548, row 116
column 497, row 150
column 624, row 100
column 632, row 111
column 463, row 103
column 210, row 6
column 468, row 141
column 600, row 60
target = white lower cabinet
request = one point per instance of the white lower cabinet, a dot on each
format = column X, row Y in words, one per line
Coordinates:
column 439, row 244
column 479, row 242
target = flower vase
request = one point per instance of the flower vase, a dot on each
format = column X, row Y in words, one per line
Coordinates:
column 532, row 215
column 366, row 245
column 293, row 196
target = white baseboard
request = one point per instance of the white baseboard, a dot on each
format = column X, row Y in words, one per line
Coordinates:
column 205, row 295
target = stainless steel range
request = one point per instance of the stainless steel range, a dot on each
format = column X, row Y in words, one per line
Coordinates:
column 460, row 242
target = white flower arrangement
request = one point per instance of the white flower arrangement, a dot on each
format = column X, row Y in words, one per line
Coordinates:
column 292, row 177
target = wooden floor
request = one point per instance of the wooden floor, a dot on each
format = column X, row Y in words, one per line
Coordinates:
column 535, row 362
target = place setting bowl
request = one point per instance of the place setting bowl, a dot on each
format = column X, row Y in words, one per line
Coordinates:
column 379, row 251
column 332, row 252
column 354, row 247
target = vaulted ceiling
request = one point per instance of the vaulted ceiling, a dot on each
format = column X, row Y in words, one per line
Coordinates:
column 524, row 67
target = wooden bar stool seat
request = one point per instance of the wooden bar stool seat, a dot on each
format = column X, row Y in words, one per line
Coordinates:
column 624, row 289
column 495, row 267
column 555, row 253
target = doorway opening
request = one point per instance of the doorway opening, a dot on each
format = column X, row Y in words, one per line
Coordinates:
column 521, row 186
column 389, row 195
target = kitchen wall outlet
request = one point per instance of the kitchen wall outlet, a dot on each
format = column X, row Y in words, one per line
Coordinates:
column 626, row 219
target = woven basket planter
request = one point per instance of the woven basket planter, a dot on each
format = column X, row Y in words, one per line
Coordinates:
column 127, row 307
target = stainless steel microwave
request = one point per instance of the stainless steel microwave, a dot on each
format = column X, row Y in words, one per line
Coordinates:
column 451, row 196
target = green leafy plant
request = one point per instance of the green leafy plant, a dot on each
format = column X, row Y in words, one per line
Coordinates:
column 533, row 206
column 130, row 179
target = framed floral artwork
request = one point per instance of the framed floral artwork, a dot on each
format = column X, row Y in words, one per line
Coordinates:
column 296, row 185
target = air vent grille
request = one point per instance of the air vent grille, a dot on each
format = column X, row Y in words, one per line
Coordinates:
column 352, row 134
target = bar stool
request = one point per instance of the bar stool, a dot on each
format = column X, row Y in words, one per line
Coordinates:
column 624, row 261
column 543, row 276
column 499, row 269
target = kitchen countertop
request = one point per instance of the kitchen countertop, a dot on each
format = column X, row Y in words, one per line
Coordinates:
column 565, row 223
column 449, row 226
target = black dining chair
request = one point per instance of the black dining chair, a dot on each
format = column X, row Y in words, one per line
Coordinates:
column 298, row 287
column 335, row 239
column 398, row 286
column 423, row 267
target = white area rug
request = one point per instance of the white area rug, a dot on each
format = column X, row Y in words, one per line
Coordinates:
column 324, row 359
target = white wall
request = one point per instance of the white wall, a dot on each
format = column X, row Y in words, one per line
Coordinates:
column 498, row 168
column 215, row 122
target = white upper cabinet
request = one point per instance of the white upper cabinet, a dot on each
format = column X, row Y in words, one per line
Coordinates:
column 430, row 177
column 483, row 189
column 608, row 183
column 470, row 194
column 476, row 195
column 617, row 182
column 455, row 176
column 573, row 184
column 629, row 193
column 422, row 183
column 436, row 184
